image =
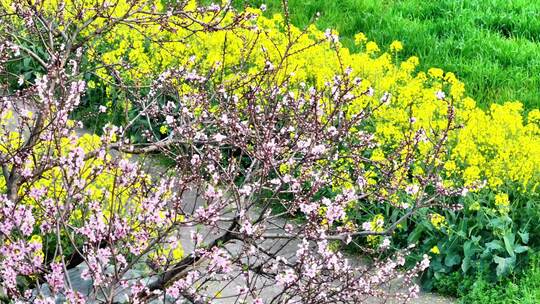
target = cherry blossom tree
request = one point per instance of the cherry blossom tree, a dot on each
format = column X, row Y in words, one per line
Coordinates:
column 254, row 204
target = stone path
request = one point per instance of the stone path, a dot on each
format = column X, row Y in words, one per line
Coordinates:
column 227, row 288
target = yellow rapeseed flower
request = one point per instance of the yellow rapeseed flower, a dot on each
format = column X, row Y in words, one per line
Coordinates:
column 372, row 47
column 396, row 46
column 360, row 38
column 436, row 72
column 502, row 202
column 438, row 221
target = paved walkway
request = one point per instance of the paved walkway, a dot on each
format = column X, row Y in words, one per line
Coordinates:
column 228, row 288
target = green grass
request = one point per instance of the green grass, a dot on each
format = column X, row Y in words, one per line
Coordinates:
column 492, row 45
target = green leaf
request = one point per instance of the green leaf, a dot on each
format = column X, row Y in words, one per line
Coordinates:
column 504, row 265
column 436, row 266
column 466, row 264
column 452, row 259
column 497, row 223
column 26, row 62
column 509, row 239
column 415, row 235
column 524, row 237
column 521, row 249
column 469, row 248
column 494, row 245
